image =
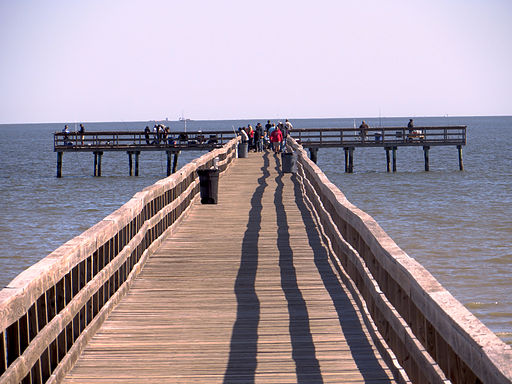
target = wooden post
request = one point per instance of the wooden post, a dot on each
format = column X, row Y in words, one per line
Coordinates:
column 175, row 163
column 59, row 164
column 351, row 160
column 100, row 154
column 130, row 163
column 388, row 159
column 97, row 163
column 137, row 153
column 394, row 159
column 169, row 162
column 346, row 159
column 461, row 164
column 426, row 149
column 313, row 154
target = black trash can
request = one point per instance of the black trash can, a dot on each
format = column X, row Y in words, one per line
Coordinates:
column 208, row 185
column 242, row 149
column 289, row 162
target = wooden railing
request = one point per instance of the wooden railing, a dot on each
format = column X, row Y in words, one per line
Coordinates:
column 379, row 137
column 432, row 335
column 50, row 311
column 126, row 140
column 308, row 137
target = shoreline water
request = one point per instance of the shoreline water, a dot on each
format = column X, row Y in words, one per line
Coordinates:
column 466, row 215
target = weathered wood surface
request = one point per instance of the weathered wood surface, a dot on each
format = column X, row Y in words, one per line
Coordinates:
column 244, row 291
column 464, row 348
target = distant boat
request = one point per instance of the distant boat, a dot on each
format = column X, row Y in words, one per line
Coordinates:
column 184, row 119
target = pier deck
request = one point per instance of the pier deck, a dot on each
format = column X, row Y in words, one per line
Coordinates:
column 244, row 291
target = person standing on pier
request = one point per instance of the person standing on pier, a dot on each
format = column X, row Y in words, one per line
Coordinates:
column 270, row 130
column 242, row 132
column 276, row 137
column 82, row 131
column 410, row 125
column 284, row 132
column 65, row 131
column 147, row 131
column 258, row 137
column 268, row 126
column 363, row 128
column 288, row 126
column 250, row 134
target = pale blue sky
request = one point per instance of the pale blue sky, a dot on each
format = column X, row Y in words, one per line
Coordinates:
column 122, row 60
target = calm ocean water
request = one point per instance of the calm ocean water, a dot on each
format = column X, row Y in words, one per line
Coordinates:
column 457, row 224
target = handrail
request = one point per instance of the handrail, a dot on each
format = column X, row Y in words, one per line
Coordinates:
column 128, row 139
column 311, row 137
column 50, row 311
column 385, row 136
column 433, row 336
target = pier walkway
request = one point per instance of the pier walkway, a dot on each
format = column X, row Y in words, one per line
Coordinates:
column 243, row 292
column 284, row 280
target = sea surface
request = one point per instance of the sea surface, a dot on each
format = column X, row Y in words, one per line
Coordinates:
column 456, row 224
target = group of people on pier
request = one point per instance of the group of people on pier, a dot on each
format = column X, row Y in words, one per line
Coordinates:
column 66, row 133
column 160, row 134
column 413, row 133
column 272, row 136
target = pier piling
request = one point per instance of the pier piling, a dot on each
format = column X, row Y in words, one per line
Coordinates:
column 461, row 164
column 97, row 163
column 59, row 164
column 388, row 159
column 349, row 159
column 394, row 159
column 426, row 149
column 313, row 154
column 169, row 162
column 175, row 162
column 130, row 163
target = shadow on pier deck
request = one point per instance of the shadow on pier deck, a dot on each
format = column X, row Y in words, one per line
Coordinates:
column 243, row 292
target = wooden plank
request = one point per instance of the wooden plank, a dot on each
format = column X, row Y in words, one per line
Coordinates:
column 242, row 291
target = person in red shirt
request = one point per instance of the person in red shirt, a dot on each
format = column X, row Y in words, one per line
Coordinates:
column 276, row 137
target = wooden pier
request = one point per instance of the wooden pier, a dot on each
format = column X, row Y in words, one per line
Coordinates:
column 134, row 143
column 282, row 281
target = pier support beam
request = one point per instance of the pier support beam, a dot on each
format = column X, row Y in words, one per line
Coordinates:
column 349, row 159
column 175, row 162
column 169, row 162
column 394, row 159
column 461, row 164
column 59, row 164
column 97, row 163
column 137, row 153
column 388, row 159
column 130, row 163
column 313, row 154
column 426, row 149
